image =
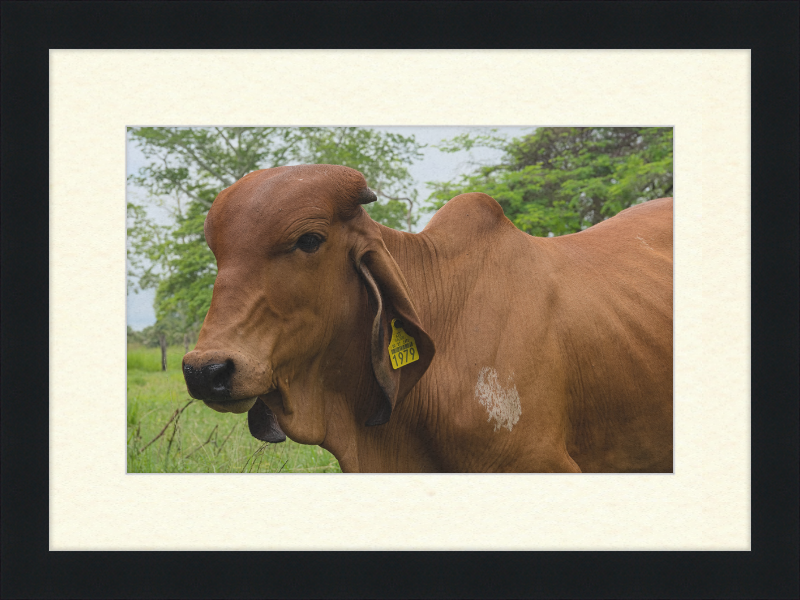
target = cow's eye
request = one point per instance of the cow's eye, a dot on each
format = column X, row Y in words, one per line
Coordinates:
column 309, row 243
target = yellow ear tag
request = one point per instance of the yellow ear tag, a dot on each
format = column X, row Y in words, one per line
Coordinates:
column 402, row 348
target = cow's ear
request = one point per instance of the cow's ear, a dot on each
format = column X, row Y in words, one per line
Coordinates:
column 389, row 289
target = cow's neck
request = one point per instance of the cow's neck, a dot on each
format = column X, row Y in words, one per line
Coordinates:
column 400, row 446
column 403, row 444
column 417, row 259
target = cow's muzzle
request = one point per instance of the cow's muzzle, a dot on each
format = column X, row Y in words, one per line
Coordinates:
column 211, row 382
column 223, row 380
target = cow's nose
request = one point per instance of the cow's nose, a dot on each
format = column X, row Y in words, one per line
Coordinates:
column 211, row 382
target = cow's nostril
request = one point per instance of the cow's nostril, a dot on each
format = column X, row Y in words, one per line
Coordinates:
column 218, row 376
column 211, row 382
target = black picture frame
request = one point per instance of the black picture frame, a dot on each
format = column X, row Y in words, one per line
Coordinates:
column 769, row 29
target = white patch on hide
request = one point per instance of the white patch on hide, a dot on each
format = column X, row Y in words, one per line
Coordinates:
column 641, row 239
column 502, row 404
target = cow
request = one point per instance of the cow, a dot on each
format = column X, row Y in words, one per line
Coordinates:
column 468, row 347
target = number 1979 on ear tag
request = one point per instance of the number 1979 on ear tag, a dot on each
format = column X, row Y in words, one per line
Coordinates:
column 402, row 347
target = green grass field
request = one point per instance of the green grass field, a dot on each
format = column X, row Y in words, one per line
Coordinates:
column 198, row 439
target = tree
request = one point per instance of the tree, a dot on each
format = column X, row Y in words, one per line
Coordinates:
column 560, row 180
column 189, row 166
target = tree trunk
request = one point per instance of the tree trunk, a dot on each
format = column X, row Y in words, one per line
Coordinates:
column 162, row 339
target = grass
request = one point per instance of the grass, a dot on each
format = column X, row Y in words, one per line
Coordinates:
column 198, row 439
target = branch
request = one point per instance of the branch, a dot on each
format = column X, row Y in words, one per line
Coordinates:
column 174, row 415
column 226, row 437
column 385, row 195
column 278, row 158
column 224, row 137
column 203, row 164
column 179, row 185
column 236, row 152
column 177, row 182
column 410, row 206
column 187, row 192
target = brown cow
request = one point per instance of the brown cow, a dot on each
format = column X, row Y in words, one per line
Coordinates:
column 529, row 354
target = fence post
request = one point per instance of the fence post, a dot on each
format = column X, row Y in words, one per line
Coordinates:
column 162, row 339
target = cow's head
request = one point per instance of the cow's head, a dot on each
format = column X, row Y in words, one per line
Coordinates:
column 302, row 304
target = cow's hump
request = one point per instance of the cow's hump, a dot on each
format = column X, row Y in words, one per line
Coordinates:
column 474, row 212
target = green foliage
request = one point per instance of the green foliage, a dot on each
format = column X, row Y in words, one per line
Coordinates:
column 393, row 213
column 183, row 297
column 189, row 166
column 564, row 179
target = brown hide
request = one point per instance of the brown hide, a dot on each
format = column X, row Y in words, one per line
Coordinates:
column 536, row 354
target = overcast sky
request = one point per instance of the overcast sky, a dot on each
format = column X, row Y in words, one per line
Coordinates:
column 434, row 166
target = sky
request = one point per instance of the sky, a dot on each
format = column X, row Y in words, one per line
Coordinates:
column 434, row 166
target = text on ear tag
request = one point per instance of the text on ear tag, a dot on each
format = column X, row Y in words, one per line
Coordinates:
column 402, row 347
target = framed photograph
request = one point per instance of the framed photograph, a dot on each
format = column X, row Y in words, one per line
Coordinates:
column 703, row 506
column 651, row 505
